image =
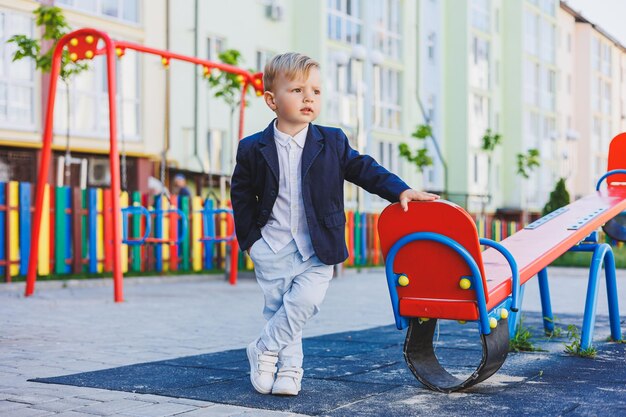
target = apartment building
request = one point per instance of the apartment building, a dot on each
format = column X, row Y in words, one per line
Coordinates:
column 598, row 93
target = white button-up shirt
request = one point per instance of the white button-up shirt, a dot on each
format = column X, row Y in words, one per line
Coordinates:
column 287, row 221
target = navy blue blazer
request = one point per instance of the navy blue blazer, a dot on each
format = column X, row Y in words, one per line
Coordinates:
column 327, row 160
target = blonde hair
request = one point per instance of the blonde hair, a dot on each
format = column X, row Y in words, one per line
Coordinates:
column 291, row 64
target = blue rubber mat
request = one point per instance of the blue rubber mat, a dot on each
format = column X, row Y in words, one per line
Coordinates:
column 363, row 373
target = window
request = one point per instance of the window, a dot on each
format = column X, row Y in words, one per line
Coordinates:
column 596, row 94
column 606, row 58
column 262, row 58
column 607, row 98
column 88, row 100
column 390, row 99
column 569, row 42
column 549, row 89
column 548, row 39
column 595, row 53
column 388, row 155
column 431, row 46
column 549, row 7
column 532, row 79
column 481, row 15
column 344, row 21
column 217, row 155
column 215, row 46
column 125, row 10
column 387, row 28
column 531, row 32
column 479, row 70
column 17, row 79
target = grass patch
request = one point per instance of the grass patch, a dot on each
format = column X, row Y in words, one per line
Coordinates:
column 521, row 341
column 556, row 332
column 573, row 347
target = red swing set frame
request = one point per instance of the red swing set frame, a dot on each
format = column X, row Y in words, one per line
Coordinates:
column 83, row 44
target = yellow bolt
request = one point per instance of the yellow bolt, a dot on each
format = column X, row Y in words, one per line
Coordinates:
column 403, row 280
column 493, row 323
column 165, row 61
column 504, row 313
column 257, row 82
column 259, row 93
column 462, row 321
column 74, row 56
column 119, row 51
column 89, row 39
column 74, row 42
column 465, row 283
column 206, row 70
column 424, row 319
column 89, row 54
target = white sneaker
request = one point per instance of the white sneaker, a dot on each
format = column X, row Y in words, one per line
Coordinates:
column 262, row 368
column 288, row 381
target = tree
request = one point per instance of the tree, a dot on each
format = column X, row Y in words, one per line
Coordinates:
column 527, row 162
column 227, row 86
column 420, row 158
column 490, row 141
column 54, row 28
column 558, row 198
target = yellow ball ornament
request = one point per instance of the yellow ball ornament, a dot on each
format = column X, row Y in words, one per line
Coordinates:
column 504, row 313
column 493, row 323
column 403, row 280
column 465, row 283
column 462, row 322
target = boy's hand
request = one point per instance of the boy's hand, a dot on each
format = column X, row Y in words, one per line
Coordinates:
column 412, row 195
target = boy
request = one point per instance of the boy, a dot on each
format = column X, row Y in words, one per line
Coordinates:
column 287, row 196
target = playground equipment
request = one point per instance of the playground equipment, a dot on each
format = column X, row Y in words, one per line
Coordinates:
column 86, row 44
column 435, row 270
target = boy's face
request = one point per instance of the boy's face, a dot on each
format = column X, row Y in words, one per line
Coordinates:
column 296, row 102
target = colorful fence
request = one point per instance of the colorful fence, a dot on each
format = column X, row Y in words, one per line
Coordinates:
column 75, row 238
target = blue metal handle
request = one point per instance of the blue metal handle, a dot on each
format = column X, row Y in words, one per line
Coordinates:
column 515, row 272
column 181, row 215
column 206, row 215
column 401, row 322
column 135, row 210
column 608, row 174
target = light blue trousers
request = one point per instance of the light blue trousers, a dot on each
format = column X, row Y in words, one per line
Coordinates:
column 293, row 290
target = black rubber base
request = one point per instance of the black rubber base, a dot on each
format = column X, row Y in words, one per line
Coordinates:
column 422, row 361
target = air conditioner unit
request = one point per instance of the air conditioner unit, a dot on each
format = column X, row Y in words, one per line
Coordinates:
column 275, row 11
column 99, row 172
